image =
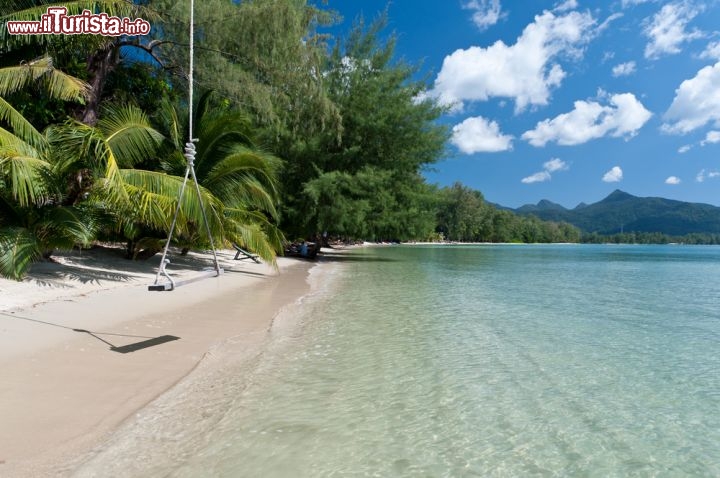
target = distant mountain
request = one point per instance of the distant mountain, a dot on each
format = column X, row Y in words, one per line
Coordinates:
column 500, row 206
column 621, row 211
column 543, row 205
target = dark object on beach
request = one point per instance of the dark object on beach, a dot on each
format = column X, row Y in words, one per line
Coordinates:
column 242, row 254
column 305, row 250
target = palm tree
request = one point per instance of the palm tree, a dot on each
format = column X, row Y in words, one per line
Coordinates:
column 56, row 187
column 229, row 165
column 34, row 220
column 238, row 183
column 141, row 202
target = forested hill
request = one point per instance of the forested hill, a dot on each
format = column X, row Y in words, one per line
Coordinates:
column 623, row 212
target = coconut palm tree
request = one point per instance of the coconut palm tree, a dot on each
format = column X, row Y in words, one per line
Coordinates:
column 57, row 186
column 33, row 220
column 238, row 183
column 141, row 202
column 229, row 165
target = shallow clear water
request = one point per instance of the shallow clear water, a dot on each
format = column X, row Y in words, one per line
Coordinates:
column 458, row 361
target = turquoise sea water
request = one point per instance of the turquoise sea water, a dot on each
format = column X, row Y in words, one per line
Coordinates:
column 460, row 361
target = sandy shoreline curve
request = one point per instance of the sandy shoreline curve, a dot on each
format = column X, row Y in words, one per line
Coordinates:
column 84, row 345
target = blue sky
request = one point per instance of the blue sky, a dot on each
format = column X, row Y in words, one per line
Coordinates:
column 568, row 100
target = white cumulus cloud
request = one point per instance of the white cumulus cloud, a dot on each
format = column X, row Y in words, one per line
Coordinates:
column 711, row 137
column 702, row 175
column 667, row 29
column 684, row 149
column 712, row 51
column 554, row 165
column 624, row 116
column 566, row 5
column 696, row 102
column 614, row 175
column 479, row 135
column 486, row 13
column 540, row 177
column 526, row 71
column 673, row 180
column 624, row 69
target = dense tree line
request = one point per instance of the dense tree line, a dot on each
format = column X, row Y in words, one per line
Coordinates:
column 464, row 216
column 650, row 238
column 299, row 133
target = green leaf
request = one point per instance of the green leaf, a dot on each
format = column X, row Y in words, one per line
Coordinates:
column 18, row 250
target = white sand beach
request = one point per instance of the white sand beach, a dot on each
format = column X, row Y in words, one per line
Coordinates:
column 84, row 345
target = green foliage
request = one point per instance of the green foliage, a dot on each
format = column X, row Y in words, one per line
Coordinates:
column 464, row 216
column 263, row 55
column 31, row 233
column 650, row 238
column 39, row 72
column 34, row 220
column 18, row 249
column 365, row 182
column 90, row 57
column 242, row 177
column 140, row 84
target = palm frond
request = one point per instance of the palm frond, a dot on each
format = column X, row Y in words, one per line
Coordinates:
column 20, row 126
column 273, row 234
column 219, row 134
column 251, row 237
column 65, row 87
column 155, row 195
column 58, row 84
column 7, row 137
column 245, row 178
column 18, row 249
column 170, row 120
column 127, row 131
column 75, row 142
column 113, row 184
column 23, row 169
column 66, row 227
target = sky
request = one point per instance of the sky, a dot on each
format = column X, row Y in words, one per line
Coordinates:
column 568, row 100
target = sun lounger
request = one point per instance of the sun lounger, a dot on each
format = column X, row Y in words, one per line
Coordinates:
column 242, row 254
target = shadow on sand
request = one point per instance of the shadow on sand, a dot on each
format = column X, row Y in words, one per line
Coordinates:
column 102, row 264
column 123, row 349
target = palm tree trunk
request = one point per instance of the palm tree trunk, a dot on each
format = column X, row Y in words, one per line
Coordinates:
column 100, row 64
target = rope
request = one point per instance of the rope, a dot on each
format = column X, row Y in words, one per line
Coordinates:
column 190, row 170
